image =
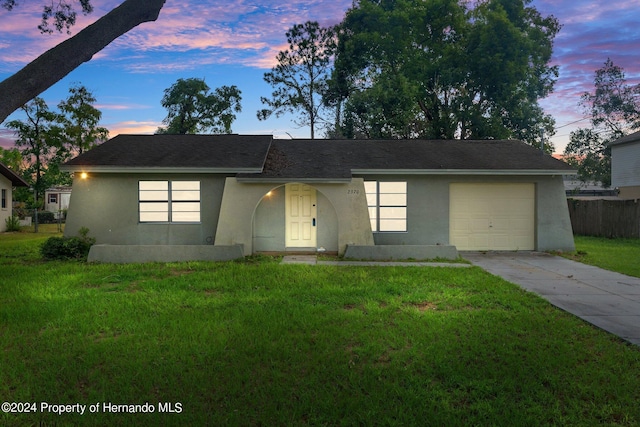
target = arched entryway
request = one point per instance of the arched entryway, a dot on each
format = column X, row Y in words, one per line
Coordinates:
column 295, row 217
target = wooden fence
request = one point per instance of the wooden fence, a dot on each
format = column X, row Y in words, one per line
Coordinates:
column 607, row 218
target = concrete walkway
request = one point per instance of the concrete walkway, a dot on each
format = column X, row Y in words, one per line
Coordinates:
column 603, row 298
column 313, row 260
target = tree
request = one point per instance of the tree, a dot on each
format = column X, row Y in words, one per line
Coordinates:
column 80, row 121
column 614, row 108
column 589, row 153
column 48, row 138
column 12, row 159
column 192, row 108
column 63, row 14
column 39, row 141
column 441, row 70
column 300, row 77
column 50, row 67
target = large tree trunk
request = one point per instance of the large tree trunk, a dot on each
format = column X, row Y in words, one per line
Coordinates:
column 50, row 67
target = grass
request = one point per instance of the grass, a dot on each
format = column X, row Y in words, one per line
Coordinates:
column 621, row 255
column 261, row 343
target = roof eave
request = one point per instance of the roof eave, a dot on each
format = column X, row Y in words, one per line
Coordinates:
column 16, row 180
column 285, row 180
column 140, row 169
column 632, row 138
column 504, row 172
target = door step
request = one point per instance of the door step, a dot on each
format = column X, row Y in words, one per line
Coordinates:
column 300, row 259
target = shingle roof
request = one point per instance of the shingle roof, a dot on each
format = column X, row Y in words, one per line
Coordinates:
column 633, row 137
column 260, row 157
column 228, row 152
column 326, row 159
column 15, row 179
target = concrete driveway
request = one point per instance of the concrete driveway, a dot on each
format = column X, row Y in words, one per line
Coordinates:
column 603, row 298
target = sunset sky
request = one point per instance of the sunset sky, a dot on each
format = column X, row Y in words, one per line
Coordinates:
column 235, row 42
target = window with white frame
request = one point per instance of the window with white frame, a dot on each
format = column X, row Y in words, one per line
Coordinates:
column 4, row 198
column 169, row 201
column 53, row 198
column 387, row 202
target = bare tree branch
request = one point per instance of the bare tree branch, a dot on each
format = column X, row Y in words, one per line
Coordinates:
column 50, row 67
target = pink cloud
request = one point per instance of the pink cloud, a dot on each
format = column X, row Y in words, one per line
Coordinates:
column 119, row 107
column 7, row 138
column 190, row 34
column 133, row 127
column 592, row 32
column 240, row 28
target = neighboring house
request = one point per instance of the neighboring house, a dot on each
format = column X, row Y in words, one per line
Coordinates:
column 8, row 180
column 177, row 197
column 56, row 199
column 625, row 166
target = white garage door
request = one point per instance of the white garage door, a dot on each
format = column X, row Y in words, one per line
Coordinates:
column 492, row 216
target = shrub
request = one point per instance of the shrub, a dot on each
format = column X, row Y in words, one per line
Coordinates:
column 65, row 248
column 13, row 223
column 46, row 217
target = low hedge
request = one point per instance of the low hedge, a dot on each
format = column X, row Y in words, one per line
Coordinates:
column 67, row 248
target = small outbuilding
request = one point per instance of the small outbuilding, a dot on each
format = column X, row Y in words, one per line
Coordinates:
column 179, row 197
column 56, row 200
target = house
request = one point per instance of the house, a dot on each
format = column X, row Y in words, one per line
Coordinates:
column 625, row 166
column 56, row 199
column 8, row 180
column 188, row 197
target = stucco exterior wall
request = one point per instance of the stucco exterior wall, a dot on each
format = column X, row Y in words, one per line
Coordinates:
column 553, row 224
column 427, row 213
column 327, row 225
column 350, row 204
column 240, row 213
column 107, row 204
column 5, row 184
column 342, row 216
column 269, row 223
column 428, row 210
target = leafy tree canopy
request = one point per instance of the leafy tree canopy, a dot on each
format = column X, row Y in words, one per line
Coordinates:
column 47, row 138
column 80, row 120
column 300, row 77
column 62, row 13
column 439, row 69
column 192, row 108
column 614, row 109
column 12, row 159
column 39, row 141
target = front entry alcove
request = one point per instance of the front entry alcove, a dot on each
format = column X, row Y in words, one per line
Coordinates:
column 295, row 217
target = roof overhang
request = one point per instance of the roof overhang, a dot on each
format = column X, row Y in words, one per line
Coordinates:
column 16, row 180
column 280, row 180
column 484, row 172
column 155, row 170
column 633, row 138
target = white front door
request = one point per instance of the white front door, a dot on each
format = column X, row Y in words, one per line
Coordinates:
column 300, row 217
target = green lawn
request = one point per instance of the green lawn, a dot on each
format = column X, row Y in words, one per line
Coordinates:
column 260, row 343
column 621, row 255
